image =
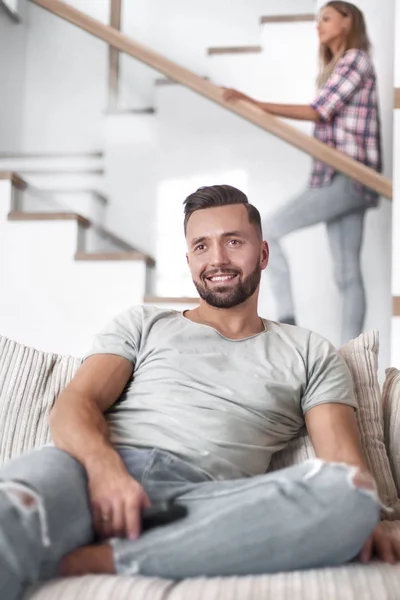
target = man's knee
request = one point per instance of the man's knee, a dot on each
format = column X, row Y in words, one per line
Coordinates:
column 353, row 494
column 348, row 510
column 28, row 504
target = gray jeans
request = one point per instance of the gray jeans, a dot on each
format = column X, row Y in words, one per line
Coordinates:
column 309, row 515
column 343, row 210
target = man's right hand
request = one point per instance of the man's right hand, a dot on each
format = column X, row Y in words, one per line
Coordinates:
column 117, row 501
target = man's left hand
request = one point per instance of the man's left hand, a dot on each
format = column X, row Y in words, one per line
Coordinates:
column 381, row 545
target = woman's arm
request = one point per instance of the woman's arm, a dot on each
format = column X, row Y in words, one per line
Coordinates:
column 301, row 112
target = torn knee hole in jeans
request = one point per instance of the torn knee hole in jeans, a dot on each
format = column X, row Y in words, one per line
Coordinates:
column 28, row 502
column 363, row 480
column 356, row 478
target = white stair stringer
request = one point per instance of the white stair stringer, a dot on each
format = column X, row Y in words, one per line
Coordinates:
column 48, row 299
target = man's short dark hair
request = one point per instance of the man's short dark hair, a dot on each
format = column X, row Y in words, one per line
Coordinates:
column 219, row 195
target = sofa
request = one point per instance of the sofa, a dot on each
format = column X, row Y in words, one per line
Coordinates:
column 30, row 381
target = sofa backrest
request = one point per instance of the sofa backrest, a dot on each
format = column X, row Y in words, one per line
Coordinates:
column 30, row 381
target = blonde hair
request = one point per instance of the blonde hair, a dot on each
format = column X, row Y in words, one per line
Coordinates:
column 356, row 38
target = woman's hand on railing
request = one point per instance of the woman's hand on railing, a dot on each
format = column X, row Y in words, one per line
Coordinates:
column 231, row 95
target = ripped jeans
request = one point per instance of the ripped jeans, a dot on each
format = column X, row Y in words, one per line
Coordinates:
column 310, row 515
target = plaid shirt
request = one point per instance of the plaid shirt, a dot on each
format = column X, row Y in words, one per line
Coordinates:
column 349, row 118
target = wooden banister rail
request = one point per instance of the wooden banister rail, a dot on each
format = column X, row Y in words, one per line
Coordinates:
column 113, row 57
column 273, row 125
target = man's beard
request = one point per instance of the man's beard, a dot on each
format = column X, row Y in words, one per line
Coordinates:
column 228, row 296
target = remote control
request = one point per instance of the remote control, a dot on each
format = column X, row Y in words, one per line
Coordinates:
column 162, row 514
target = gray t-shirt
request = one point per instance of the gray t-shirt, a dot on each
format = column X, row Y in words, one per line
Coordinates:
column 224, row 405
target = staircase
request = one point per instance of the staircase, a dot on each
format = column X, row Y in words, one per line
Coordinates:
column 61, row 181
column 157, row 150
column 61, row 277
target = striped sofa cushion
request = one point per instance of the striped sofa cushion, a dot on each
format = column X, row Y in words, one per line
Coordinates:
column 30, row 380
column 391, row 412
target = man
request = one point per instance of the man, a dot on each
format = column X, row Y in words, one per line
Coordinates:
column 189, row 408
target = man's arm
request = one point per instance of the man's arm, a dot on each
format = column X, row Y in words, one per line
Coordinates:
column 78, row 426
column 334, row 433
column 77, row 420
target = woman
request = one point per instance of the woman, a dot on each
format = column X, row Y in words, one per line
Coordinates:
column 347, row 118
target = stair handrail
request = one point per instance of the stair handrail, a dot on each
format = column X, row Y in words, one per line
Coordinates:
column 308, row 144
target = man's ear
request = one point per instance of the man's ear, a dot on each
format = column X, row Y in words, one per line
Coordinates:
column 187, row 258
column 264, row 255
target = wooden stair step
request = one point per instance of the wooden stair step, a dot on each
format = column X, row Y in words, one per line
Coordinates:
column 16, row 215
column 234, row 50
column 301, row 18
column 115, row 256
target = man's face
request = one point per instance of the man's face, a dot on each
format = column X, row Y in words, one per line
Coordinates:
column 225, row 255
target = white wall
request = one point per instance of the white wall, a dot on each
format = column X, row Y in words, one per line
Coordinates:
column 66, row 71
column 66, row 82
column 183, row 31
column 396, row 201
column 131, row 163
column 12, row 80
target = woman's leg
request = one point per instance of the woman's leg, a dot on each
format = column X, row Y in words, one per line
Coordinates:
column 313, row 206
column 345, row 239
column 312, row 515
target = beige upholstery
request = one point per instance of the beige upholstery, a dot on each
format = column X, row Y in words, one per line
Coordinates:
column 361, row 356
column 352, row 582
column 391, row 409
column 29, row 382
